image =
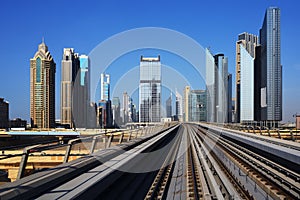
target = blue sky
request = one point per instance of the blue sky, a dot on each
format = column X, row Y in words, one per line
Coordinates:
column 84, row 24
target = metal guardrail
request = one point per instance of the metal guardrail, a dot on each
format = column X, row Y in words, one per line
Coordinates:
column 107, row 143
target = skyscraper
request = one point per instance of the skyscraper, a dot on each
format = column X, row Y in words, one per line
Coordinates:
column 169, row 106
column 116, row 108
column 210, row 86
column 42, row 88
column 125, row 108
column 179, row 106
column 229, row 99
column 271, row 69
column 4, row 114
column 150, row 89
column 105, row 87
column 104, row 107
column 81, row 94
column 221, row 95
column 245, row 53
column 69, row 69
column 186, row 93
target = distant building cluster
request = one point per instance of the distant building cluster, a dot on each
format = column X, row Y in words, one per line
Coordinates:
column 258, row 85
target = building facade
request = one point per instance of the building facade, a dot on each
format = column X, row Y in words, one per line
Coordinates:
column 169, row 107
column 105, row 116
column 221, row 88
column 197, row 106
column 245, row 54
column 186, row 93
column 179, row 115
column 116, row 110
column 210, row 87
column 4, row 114
column 42, row 89
column 150, row 90
column 69, row 70
column 270, row 69
column 81, row 95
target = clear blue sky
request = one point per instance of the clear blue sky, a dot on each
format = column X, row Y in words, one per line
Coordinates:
column 84, row 24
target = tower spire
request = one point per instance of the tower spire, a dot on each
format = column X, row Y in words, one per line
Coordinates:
column 43, row 40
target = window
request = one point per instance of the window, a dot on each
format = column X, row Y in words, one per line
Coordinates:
column 38, row 70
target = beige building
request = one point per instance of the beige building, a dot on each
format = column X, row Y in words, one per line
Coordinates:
column 42, row 89
column 186, row 93
column 69, row 69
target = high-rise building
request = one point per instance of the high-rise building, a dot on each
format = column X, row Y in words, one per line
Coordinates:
column 4, row 114
column 169, row 106
column 186, row 93
column 81, row 94
column 210, row 86
column 270, row 69
column 197, row 106
column 69, row 69
column 245, row 86
column 104, row 107
column 179, row 115
column 105, row 87
column 229, row 99
column 150, row 89
column 221, row 95
column 116, row 110
column 42, row 88
column 126, row 108
column 245, row 53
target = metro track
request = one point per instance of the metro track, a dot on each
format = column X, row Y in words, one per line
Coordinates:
column 185, row 161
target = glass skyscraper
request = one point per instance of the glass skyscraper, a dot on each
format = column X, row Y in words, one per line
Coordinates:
column 271, row 69
column 150, row 89
column 169, row 106
column 246, row 88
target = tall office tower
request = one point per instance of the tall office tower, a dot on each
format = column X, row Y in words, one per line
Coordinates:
column 179, row 115
column 169, row 106
column 150, row 89
column 116, row 110
column 4, row 114
column 104, row 108
column 69, row 69
column 245, row 54
column 186, row 93
column 210, row 87
column 81, row 94
column 197, row 105
column 105, row 87
column 221, row 86
column 42, row 88
column 125, row 108
column 229, row 99
column 271, row 69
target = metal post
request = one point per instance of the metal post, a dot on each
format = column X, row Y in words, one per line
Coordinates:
column 94, row 142
column 121, row 137
column 110, row 140
column 24, row 160
column 68, row 150
column 129, row 137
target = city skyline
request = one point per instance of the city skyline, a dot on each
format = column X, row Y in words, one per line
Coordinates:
column 20, row 108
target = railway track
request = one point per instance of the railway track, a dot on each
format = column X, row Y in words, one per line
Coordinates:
column 181, row 162
column 274, row 180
